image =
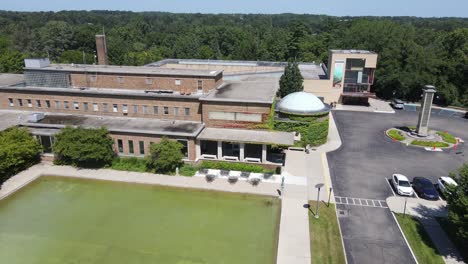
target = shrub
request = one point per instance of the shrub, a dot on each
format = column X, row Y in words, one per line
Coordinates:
column 165, row 156
column 188, row 170
column 395, row 134
column 225, row 165
column 84, row 147
column 129, row 164
column 18, row 151
column 447, row 137
column 431, row 144
column 312, row 133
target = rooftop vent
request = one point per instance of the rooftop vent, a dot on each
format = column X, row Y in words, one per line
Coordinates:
column 36, row 62
column 35, row 117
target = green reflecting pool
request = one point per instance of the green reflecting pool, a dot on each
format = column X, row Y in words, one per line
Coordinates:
column 65, row 220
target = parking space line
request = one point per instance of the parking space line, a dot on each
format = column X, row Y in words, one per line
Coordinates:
column 391, row 188
column 415, row 194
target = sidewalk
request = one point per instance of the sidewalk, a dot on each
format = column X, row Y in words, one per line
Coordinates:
column 426, row 211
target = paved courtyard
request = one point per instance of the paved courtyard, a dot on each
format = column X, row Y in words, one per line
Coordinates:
column 359, row 169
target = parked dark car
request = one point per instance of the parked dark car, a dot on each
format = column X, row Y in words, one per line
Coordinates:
column 466, row 115
column 425, row 188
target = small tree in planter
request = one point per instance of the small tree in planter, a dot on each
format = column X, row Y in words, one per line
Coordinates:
column 84, row 147
column 165, row 156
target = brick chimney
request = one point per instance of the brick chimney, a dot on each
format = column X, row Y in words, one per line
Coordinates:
column 101, row 48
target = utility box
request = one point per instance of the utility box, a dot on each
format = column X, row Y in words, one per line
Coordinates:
column 36, row 62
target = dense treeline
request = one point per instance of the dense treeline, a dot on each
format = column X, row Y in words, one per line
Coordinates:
column 412, row 51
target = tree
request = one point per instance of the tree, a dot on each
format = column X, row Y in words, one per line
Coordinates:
column 82, row 147
column 56, row 37
column 18, row 151
column 165, row 156
column 457, row 199
column 291, row 81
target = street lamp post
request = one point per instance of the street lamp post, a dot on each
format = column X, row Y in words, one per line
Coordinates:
column 318, row 186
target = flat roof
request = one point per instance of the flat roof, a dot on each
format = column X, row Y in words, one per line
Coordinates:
column 352, row 51
column 9, row 118
column 7, row 79
column 247, row 136
column 244, row 91
column 114, row 69
column 119, row 124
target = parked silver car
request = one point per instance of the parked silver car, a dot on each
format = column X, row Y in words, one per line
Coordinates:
column 397, row 104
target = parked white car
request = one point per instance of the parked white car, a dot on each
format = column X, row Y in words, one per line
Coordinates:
column 402, row 185
column 443, row 181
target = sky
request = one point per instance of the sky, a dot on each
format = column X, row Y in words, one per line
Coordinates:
column 421, row 8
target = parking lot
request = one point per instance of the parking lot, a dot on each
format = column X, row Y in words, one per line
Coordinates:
column 360, row 169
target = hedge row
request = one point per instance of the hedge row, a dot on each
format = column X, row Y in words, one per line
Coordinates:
column 224, row 165
column 312, row 133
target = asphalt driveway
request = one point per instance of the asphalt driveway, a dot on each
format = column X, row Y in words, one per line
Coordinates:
column 359, row 167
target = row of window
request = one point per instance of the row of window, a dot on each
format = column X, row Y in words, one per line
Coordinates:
column 141, row 147
column 149, row 81
column 235, row 116
column 95, row 106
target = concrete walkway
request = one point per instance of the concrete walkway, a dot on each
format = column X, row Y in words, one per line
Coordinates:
column 294, row 241
column 426, row 211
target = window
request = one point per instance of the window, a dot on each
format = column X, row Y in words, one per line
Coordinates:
column 124, row 108
column 155, row 109
column 29, row 102
column 135, row 108
column 67, row 104
column 200, row 85
column 92, row 78
column 187, row 111
column 120, row 79
column 142, row 147
column 95, row 107
column 130, row 147
column 120, row 145
column 76, row 105
column 145, row 109
column 177, row 82
column 166, row 110
column 235, row 116
column 11, row 101
column 20, row 102
column 149, row 81
column 56, row 104
column 105, row 108
column 184, row 148
column 176, row 111
column 47, row 103
column 85, row 106
column 46, row 142
column 115, row 108
column 38, row 103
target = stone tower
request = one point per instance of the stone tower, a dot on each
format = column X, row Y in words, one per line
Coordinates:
column 425, row 111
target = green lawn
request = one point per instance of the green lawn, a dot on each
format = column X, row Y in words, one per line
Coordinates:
column 63, row 220
column 419, row 240
column 395, row 134
column 325, row 239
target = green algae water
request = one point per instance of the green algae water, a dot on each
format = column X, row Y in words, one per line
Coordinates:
column 66, row 220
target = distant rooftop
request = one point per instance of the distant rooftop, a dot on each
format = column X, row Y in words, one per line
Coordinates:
column 143, row 70
column 245, row 91
column 247, row 136
column 120, row 124
column 352, row 51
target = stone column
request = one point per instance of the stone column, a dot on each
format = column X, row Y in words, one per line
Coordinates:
column 197, row 149
column 220, row 150
column 425, row 112
column 264, row 153
column 241, row 151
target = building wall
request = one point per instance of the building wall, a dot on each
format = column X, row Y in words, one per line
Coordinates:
column 323, row 88
column 247, row 108
column 134, row 82
column 193, row 105
column 147, row 139
column 371, row 62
